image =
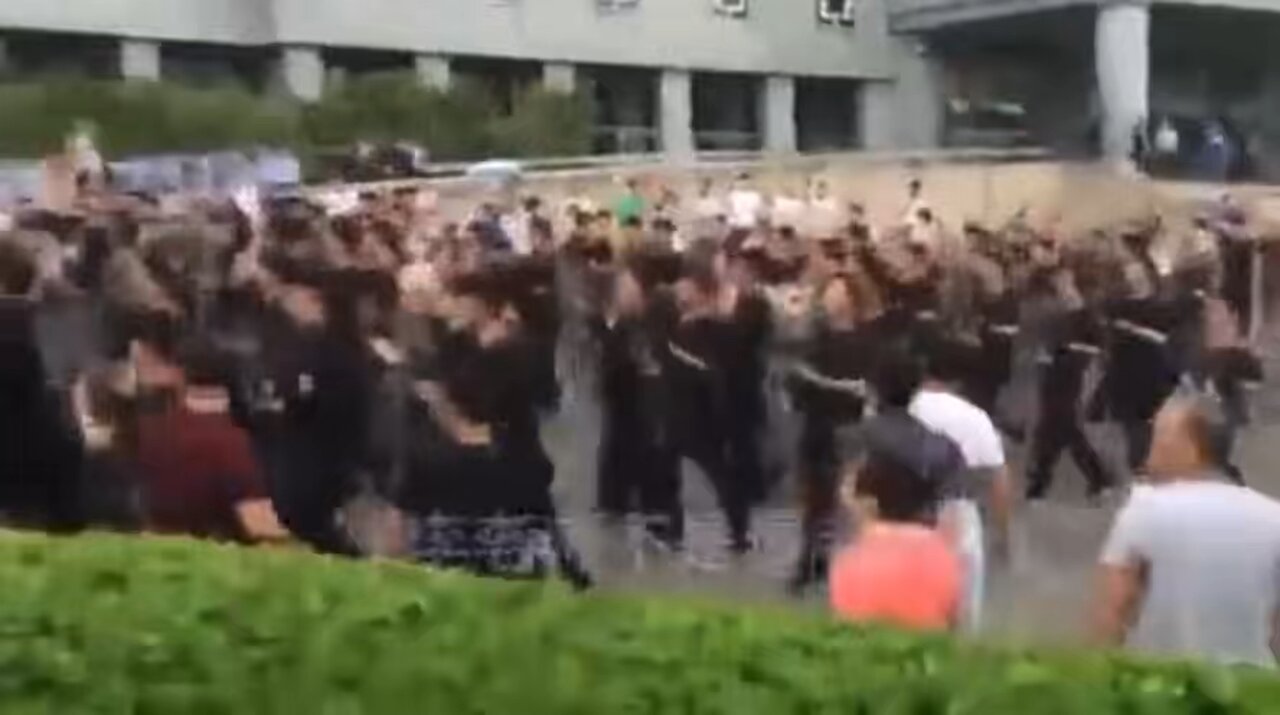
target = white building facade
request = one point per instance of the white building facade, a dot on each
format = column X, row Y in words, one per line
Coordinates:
column 685, row 75
column 695, row 74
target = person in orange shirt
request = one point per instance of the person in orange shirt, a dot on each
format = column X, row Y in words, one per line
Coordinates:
column 900, row 569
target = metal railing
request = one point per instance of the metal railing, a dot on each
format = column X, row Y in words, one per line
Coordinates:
column 456, row 172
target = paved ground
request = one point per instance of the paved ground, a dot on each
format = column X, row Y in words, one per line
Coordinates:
column 1042, row 595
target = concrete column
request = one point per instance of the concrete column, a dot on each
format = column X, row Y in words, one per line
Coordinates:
column 139, row 59
column 907, row 112
column 433, row 70
column 780, row 114
column 559, row 77
column 1122, row 61
column 675, row 95
column 877, row 116
column 302, row 71
column 1269, row 112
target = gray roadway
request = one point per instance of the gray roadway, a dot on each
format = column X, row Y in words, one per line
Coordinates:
column 1042, row 595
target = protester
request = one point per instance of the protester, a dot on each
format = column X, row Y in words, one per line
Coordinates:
column 900, row 567
column 40, row 457
column 426, row 370
column 1190, row 566
column 1141, row 371
column 829, row 391
column 638, row 468
column 697, row 365
column 746, row 204
column 630, row 207
column 938, row 406
column 1075, row 343
column 199, row 475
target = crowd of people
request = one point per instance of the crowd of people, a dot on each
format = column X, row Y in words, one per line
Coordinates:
column 372, row 380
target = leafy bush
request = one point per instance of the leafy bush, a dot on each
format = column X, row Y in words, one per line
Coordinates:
column 105, row 624
column 151, row 117
column 131, row 118
column 545, row 123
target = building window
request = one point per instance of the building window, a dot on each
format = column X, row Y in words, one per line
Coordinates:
column 836, row 12
column 732, row 8
column 616, row 5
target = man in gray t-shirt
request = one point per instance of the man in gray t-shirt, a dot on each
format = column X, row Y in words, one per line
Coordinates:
column 1192, row 565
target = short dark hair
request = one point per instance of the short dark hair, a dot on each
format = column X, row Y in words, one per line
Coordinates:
column 946, row 358
column 541, row 226
column 205, row 365
column 17, row 269
column 896, row 376
column 901, row 494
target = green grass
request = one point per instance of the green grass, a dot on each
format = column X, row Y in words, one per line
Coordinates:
column 108, row 624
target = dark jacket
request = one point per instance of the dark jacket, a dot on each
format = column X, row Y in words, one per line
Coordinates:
column 40, row 453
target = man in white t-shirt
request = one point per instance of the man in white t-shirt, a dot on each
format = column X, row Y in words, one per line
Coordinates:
column 1192, row 565
column 938, row 406
column 826, row 216
column 788, row 210
column 746, row 205
column 915, row 202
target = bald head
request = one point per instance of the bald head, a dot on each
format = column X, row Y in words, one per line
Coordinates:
column 1191, row 436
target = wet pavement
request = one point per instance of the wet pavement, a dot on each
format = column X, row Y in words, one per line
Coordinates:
column 1042, row 595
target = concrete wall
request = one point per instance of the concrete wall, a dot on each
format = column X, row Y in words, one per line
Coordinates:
column 917, row 15
column 241, row 22
column 906, row 113
column 776, row 36
column 1077, row 197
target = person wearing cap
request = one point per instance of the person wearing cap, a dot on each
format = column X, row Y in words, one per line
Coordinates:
column 900, row 568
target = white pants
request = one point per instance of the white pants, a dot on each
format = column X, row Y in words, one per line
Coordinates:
column 971, row 548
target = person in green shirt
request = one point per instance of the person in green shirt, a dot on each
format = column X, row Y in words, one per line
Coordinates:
column 630, row 206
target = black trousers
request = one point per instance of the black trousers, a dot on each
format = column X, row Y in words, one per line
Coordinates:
column 745, row 458
column 635, row 473
column 1137, row 441
column 733, row 495
column 1055, row 432
column 819, row 476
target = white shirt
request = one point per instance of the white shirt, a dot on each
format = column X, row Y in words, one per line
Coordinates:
column 969, row 427
column 744, row 208
column 825, row 217
column 418, row 277
column 910, row 214
column 788, row 211
column 708, row 207
column 517, row 229
column 1212, row 552
column 1166, row 138
column 962, row 422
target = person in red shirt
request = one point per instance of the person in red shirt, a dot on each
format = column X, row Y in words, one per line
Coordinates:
column 198, row 474
column 900, row 569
